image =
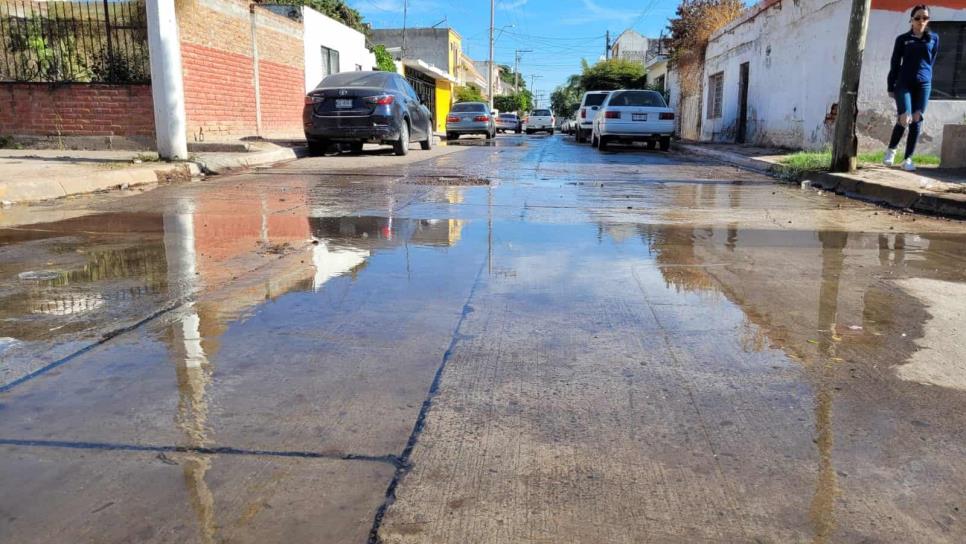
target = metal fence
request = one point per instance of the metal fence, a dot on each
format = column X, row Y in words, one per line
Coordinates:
column 98, row 41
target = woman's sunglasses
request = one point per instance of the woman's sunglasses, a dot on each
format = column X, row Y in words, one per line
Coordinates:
column 921, row 18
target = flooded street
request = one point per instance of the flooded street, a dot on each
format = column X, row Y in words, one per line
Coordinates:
column 528, row 341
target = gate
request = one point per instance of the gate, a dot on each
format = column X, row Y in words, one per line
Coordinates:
column 425, row 87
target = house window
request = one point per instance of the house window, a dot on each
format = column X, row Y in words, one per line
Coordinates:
column 949, row 72
column 330, row 61
column 715, row 95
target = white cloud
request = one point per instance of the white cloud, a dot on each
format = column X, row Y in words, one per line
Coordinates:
column 511, row 5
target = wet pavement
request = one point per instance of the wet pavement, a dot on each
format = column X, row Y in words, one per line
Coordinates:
column 522, row 340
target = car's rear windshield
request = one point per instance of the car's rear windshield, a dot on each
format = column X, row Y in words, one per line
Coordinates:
column 595, row 99
column 508, row 116
column 357, row 79
column 637, row 98
column 469, row 107
column 542, row 113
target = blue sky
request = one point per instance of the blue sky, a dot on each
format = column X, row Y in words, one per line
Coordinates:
column 560, row 32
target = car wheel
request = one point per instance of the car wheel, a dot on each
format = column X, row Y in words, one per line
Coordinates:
column 401, row 146
column 518, row 131
column 593, row 140
column 489, row 135
column 602, row 143
column 317, row 147
column 550, row 132
column 427, row 144
column 666, row 143
column 579, row 136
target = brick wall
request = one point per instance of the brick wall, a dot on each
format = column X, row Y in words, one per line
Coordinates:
column 76, row 109
column 217, row 52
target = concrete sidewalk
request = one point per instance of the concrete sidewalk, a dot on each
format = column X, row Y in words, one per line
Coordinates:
column 28, row 175
column 928, row 190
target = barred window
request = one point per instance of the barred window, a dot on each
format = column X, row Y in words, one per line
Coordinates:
column 949, row 72
column 715, row 95
column 330, row 61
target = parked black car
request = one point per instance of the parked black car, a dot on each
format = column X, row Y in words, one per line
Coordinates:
column 360, row 107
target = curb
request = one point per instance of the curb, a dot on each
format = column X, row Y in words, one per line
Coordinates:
column 103, row 180
column 222, row 165
column 61, row 186
column 948, row 205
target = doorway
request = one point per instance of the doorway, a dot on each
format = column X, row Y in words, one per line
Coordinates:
column 743, row 104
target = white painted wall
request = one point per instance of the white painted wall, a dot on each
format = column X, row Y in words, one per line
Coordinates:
column 794, row 51
column 323, row 31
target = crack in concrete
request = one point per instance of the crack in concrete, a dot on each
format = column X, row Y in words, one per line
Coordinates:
column 404, row 464
column 214, row 450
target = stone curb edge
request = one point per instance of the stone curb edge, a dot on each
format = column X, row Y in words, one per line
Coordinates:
column 951, row 206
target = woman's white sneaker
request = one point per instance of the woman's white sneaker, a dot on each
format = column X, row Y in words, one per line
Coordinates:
column 890, row 157
column 908, row 166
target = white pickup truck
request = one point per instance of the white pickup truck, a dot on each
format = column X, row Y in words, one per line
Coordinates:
column 539, row 120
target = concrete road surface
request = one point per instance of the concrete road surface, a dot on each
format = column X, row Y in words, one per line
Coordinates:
column 526, row 341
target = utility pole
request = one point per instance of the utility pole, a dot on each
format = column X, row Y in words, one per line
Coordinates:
column 402, row 52
column 489, row 74
column 516, row 68
column 607, row 47
column 167, row 83
column 846, row 145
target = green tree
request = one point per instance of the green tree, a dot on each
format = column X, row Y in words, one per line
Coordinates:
column 468, row 94
column 519, row 102
column 384, row 60
column 608, row 75
column 565, row 99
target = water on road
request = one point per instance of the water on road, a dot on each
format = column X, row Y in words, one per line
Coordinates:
column 523, row 341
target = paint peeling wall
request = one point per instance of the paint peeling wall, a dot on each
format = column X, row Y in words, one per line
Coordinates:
column 794, row 49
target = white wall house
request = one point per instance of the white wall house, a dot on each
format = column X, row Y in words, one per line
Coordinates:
column 772, row 76
column 332, row 47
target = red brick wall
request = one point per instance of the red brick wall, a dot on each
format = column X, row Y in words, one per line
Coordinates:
column 217, row 52
column 76, row 109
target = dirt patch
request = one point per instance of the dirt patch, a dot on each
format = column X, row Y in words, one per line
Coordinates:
column 447, row 180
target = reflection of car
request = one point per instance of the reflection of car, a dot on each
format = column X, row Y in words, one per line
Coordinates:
column 633, row 116
column 359, row 107
column 509, row 121
column 589, row 104
column 470, row 118
column 539, row 120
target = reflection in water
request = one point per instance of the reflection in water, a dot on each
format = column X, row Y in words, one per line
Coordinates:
column 823, row 502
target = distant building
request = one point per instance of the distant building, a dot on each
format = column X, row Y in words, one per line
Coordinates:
column 430, row 60
column 630, row 45
column 500, row 87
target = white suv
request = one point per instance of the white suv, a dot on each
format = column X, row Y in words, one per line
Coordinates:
column 589, row 104
column 539, row 120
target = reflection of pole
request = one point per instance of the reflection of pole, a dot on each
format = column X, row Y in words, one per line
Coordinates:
column 489, row 227
column 823, row 502
column 192, row 370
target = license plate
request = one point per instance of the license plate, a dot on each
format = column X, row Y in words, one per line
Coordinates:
column 343, row 103
column 639, row 117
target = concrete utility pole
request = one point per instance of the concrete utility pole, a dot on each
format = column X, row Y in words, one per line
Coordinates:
column 402, row 53
column 607, row 47
column 516, row 68
column 489, row 75
column 167, row 85
column 845, row 146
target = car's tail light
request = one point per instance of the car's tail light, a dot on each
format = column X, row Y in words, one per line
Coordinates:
column 482, row 118
column 380, row 100
column 608, row 114
column 310, row 100
column 452, row 119
column 583, row 113
column 667, row 116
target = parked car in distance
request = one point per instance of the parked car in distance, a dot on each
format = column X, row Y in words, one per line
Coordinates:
column 633, row 116
column 507, row 122
column 589, row 105
column 567, row 127
column 539, row 121
column 353, row 108
column 470, row 118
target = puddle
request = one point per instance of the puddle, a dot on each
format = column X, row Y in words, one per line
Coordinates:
column 447, row 180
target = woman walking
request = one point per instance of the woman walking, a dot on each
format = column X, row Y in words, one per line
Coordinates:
column 910, row 82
